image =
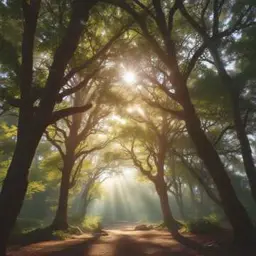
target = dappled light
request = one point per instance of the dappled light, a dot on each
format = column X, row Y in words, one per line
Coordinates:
column 127, row 128
column 126, row 201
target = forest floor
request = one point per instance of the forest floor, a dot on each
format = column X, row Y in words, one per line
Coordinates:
column 126, row 242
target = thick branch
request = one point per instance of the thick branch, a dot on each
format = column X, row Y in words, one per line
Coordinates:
column 55, row 144
column 229, row 127
column 198, row 53
column 78, row 87
column 59, row 114
column 63, row 54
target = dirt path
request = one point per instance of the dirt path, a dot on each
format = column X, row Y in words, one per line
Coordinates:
column 125, row 242
column 118, row 242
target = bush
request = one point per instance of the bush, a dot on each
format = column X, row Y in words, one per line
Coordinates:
column 92, row 224
column 180, row 224
column 61, row 235
column 206, row 225
column 143, row 227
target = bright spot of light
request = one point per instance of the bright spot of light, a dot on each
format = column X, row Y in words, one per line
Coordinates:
column 129, row 77
column 136, row 109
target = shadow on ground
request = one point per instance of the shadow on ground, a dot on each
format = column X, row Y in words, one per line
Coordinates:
column 122, row 246
column 133, row 243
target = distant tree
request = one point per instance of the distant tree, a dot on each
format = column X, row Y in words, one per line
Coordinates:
column 77, row 137
column 147, row 137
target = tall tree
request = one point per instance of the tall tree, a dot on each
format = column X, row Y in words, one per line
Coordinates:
column 36, row 113
column 147, row 136
column 75, row 138
column 160, row 27
column 242, row 17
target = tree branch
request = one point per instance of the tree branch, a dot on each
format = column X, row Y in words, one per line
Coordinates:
column 78, row 87
column 96, row 56
column 59, row 114
column 55, row 144
column 194, row 59
column 229, row 127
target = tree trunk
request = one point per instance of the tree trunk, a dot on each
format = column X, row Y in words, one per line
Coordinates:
column 194, row 202
column 234, row 210
column 169, row 220
column 180, row 204
column 60, row 221
column 245, row 148
column 16, row 182
column 246, row 151
column 82, row 210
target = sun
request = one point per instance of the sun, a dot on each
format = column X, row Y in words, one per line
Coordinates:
column 129, row 77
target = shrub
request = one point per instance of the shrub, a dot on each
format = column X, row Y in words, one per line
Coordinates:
column 92, row 224
column 206, row 225
column 60, row 235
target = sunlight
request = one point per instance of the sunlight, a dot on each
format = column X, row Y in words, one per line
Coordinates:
column 129, row 77
column 118, row 119
column 118, row 204
column 136, row 109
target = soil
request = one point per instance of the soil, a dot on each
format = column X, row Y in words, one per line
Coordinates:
column 128, row 242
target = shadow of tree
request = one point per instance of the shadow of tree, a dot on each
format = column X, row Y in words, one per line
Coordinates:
column 126, row 246
column 80, row 249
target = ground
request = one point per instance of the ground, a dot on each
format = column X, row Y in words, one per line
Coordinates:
column 121, row 242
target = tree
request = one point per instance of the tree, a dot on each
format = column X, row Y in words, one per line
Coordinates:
column 146, row 139
column 77, row 137
column 160, row 27
column 35, row 114
column 242, row 17
column 91, row 180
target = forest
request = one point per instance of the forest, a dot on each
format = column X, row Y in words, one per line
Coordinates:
column 126, row 127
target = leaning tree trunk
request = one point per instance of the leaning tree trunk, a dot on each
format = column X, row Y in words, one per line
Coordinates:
column 82, row 210
column 234, row 210
column 84, row 202
column 246, row 151
column 194, row 203
column 60, row 221
column 16, row 182
column 179, row 201
column 169, row 220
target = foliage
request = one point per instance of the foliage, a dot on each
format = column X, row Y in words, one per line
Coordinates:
column 91, row 223
column 140, row 125
column 34, row 187
column 206, row 225
column 61, row 235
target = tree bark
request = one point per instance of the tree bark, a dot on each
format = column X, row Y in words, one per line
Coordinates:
column 60, row 221
column 180, row 204
column 82, row 210
column 246, row 151
column 162, row 192
column 16, row 183
column 194, row 203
